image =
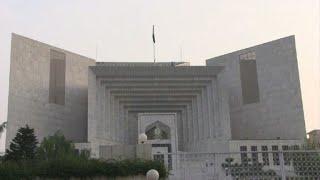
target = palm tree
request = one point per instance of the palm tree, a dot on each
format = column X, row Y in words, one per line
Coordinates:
column 2, row 127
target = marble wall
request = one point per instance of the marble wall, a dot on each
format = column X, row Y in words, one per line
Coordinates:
column 29, row 92
column 278, row 113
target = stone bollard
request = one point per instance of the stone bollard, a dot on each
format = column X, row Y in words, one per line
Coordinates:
column 152, row 174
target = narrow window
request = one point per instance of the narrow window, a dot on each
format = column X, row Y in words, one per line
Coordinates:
column 57, row 77
column 275, row 156
column 244, row 155
column 249, row 78
column 254, row 154
column 296, row 147
column 286, row 155
column 265, row 155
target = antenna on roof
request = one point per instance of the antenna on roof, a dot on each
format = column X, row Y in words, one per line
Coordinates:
column 96, row 51
column 181, row 53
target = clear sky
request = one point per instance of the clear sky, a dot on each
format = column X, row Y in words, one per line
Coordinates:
column 121, row 29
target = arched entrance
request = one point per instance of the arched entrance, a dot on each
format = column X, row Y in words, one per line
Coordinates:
column 161, row 130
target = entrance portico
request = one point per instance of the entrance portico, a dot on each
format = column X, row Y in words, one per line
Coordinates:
column 161, row 130
column 120, row 97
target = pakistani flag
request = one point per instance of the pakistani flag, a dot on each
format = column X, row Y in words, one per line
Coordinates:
column 153, row 38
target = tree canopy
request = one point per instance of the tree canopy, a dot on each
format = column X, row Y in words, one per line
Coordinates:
column 56, row 157
column 56, row 146
column 23, row 146
column 3, row 126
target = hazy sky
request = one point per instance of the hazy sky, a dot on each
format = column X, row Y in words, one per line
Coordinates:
column 121, row 29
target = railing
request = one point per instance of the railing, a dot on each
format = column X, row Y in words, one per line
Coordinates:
column 284, row 165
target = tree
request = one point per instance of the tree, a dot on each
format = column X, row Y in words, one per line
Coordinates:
column 56, row 147
column 2, row 127
column 23, row 146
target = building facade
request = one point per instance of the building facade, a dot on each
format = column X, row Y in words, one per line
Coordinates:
column 250, row 95
column 264, row 91
column 314, row 138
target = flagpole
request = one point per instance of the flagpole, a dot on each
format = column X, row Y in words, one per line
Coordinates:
column 154, row 53
column 154, row 45
column 181, row 53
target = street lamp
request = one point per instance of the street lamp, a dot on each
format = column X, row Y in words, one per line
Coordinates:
column 152, row 174
column 142, row 138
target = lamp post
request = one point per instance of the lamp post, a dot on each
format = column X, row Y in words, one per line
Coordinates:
column 152, row 174
column 142, row 138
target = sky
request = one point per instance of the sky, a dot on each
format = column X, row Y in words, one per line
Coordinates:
column 188, row 30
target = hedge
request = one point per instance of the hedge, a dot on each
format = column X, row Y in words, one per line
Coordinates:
column 78, row 167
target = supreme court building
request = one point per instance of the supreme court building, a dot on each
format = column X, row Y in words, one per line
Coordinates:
column 247, row 97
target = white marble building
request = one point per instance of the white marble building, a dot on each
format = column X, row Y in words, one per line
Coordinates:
column 248, row 96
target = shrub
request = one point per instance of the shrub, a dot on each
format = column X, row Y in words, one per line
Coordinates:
column 78, row 167
column 55, row 146
column 56, row 158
